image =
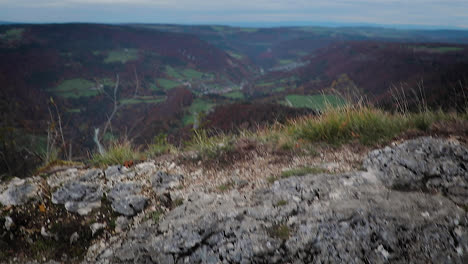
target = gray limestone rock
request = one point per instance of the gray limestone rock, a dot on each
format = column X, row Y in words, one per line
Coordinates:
column 79, row 197
column 96, row 227
column 356, row 217
column 119, row 172
column 163, row 182
column 424, row 164
column 126, row 198
column 121, row 224
column 19, row 191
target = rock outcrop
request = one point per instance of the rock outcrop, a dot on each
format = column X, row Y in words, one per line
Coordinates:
column 425, row 164
column 408, row 205
column 358, row 217
column 19, row 191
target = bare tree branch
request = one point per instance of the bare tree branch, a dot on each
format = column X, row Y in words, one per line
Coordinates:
column 114, row 110
column 61, row 131
column 137, row 81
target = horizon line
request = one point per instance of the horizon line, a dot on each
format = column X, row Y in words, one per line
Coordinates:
column 258, row 24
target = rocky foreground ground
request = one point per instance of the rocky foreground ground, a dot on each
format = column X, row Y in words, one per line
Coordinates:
column 407, row 204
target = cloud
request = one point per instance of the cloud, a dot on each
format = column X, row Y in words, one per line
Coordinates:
column 424, row 12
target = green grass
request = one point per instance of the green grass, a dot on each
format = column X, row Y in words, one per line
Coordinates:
column 301, row 53
column 281, row 203
column 285, row 62
column 211, row 147
column 75, row 88
column 74, row 110
column 235, row 95
column 225, row 187
column 272, row 179
column 198, row 106
column 167, row 84
column 142, row 100
column 279, row 89
column 117, row 154
column 192, row 74
column 154, row 87
column 107, row 82
column 122, row 56
column 316, row 102
column 264, row 84
column 154, row 216
column 235, row 55
column 177, row 202
column 171, row 72
column 249, row 30
column 281, row 232
column 13, row 34
column 185, row 73
column 341, row 125
column 159, row 147
column 302, row 171
column 441, row 49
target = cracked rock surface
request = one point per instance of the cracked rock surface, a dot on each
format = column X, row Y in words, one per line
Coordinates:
column 79, row 197
column 424, row 164
column 126, row 198
column 408, row 207
column 19, row 191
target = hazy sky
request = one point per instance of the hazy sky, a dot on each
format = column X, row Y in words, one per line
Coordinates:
column 444, row 13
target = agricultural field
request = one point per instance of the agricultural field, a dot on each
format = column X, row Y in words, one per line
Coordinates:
column 167, row 84
column 300, row 53
column 75, row 88
column 198, row 106
column 285, row 62
column 441, row 49
column 143, row 100
column 279, row 89
column 186, row 74
column 13, row 34
column 171, row 72
column 154, row 87
column 265, row 84
column 235, row 55
column 249, row 30
column 237, row 95
column 193, row 74
column 122, row 56
column 74, row 110
column 316, row 102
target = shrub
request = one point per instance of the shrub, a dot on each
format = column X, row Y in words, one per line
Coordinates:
column 211, row 147
column 118, row 153
column 424, row 120
column 340, row 125
column 160, row 146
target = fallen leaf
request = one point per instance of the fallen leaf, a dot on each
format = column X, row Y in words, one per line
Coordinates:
column 42, row 208
column 128, row 164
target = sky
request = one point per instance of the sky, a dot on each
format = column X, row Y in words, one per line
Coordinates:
column 422, row 13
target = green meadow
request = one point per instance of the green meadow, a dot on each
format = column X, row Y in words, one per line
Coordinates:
column 75, row 88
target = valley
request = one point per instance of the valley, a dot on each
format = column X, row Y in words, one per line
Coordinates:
column 137, row 81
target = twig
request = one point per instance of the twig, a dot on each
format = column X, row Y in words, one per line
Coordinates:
column 114, row 110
